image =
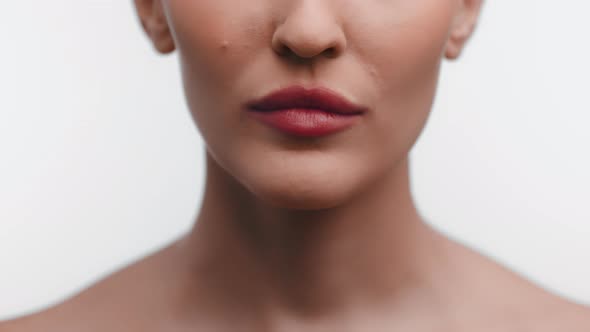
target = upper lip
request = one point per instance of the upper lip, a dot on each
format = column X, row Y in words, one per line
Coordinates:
column 300, row 97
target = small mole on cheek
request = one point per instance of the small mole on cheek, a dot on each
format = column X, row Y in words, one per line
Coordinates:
column 224, row 45
column 373, row 71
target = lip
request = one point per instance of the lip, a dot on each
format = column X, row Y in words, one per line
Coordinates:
column 305, row 112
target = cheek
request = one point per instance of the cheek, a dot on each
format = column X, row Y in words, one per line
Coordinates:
column 403, row 57
column 403, row 47
column 198, row 36
column 214, row 53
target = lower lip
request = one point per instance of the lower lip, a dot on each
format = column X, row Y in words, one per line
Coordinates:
column 306, row 122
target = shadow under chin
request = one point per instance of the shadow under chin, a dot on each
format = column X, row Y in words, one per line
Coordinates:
column 306, row 197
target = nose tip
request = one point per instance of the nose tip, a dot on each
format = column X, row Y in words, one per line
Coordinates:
column 308, row 32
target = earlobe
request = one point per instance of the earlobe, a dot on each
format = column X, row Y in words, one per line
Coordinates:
column 451, row 51
column 153, row 21
column 162, row 39
column 463, row 27
column 456, row 42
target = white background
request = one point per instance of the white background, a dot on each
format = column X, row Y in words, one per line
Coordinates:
column 100, row 163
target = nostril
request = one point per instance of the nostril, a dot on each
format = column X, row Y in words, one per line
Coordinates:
column 330, row 52
column 285, row 51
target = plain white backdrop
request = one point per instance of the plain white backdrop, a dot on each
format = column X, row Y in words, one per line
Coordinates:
column 101, row 164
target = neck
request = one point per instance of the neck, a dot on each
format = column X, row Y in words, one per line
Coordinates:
column 370, row 251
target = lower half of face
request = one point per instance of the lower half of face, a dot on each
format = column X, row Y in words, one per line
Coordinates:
column 387, row 58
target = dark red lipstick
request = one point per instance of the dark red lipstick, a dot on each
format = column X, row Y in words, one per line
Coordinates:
column 305, row 112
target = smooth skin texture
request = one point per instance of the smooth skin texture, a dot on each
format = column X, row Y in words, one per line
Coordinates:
column 310, row 234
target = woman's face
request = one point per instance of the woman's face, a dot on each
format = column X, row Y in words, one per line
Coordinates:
column 382, row 54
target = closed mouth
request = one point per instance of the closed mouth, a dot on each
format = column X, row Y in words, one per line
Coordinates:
column 298, row 97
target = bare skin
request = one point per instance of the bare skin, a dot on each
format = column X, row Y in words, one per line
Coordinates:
column 310, row 235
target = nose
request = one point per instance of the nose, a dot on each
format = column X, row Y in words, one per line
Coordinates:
column 309, row 30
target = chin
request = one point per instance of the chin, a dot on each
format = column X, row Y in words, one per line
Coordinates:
column 313, row 198
column 301, row 190
column 299, row 180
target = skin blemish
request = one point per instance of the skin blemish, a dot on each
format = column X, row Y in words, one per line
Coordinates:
column 224, row 45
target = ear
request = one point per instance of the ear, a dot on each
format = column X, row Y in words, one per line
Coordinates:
column 463, row 27
column 153, row 21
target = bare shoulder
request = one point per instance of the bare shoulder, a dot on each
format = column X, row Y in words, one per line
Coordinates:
column 28, row 323
column 122, row 295
column 564, row 316
column 63, row 317
column 14, row 325
column 485, row 292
